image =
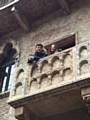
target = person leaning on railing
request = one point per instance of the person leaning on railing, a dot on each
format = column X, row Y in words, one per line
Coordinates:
column 39, row 53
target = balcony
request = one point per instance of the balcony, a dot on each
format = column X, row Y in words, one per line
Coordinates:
column 52, row 72
column 49, row 73
column 51, row 76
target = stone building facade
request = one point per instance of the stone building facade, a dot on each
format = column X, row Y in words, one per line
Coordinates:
column 57, row 86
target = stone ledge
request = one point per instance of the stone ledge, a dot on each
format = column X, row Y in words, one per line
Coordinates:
column 27, row 98
column 4, row 94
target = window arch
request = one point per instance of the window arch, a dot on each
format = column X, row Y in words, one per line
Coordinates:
column 6, row 63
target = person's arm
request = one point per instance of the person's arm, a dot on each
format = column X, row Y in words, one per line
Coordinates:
column 31, row 58
column 35, row 57
column 44, row 54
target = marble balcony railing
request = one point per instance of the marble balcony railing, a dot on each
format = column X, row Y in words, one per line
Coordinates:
column 54, row 71
column 50, row 72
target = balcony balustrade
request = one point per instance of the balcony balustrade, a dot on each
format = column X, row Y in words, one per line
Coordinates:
column 54, row 71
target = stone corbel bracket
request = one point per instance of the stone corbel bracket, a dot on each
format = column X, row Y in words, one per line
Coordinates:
column 85, row 93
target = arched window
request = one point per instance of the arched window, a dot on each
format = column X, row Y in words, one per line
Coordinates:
column 5, row 67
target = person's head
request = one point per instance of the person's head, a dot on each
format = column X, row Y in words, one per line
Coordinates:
column 39, row 48
column 53, row 48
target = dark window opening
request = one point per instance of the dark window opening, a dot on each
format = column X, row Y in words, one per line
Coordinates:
column 5, row 78
column 5, row 67
column 64, row 43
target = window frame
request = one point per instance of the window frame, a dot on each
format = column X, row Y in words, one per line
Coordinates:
column 63, row 42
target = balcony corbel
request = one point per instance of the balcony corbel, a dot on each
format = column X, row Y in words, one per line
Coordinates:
column 85, row 93
column 22, row 113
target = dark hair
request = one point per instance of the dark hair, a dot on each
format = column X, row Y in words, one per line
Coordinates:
column 39, row 45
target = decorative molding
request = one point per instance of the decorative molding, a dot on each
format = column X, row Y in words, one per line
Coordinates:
column 4, row 95
column 36, row 97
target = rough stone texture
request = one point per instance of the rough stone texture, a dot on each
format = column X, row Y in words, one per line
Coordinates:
column 6, row 112
column 4, row 108
column 46, row 31
column 56, row 27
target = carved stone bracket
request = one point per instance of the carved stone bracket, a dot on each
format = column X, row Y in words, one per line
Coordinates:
column 21, row 113
column 85, row 93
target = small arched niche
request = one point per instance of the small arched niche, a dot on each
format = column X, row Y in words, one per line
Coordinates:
column 84, row 67
column 44, row 82
column 56, row 78
column 20, row 75
column 34, row 85
column 55, row 62
column 45, row 66
column 67, row 60
column 19, row 89
column 83, row 52
column 34, row 70
column 67, row 74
